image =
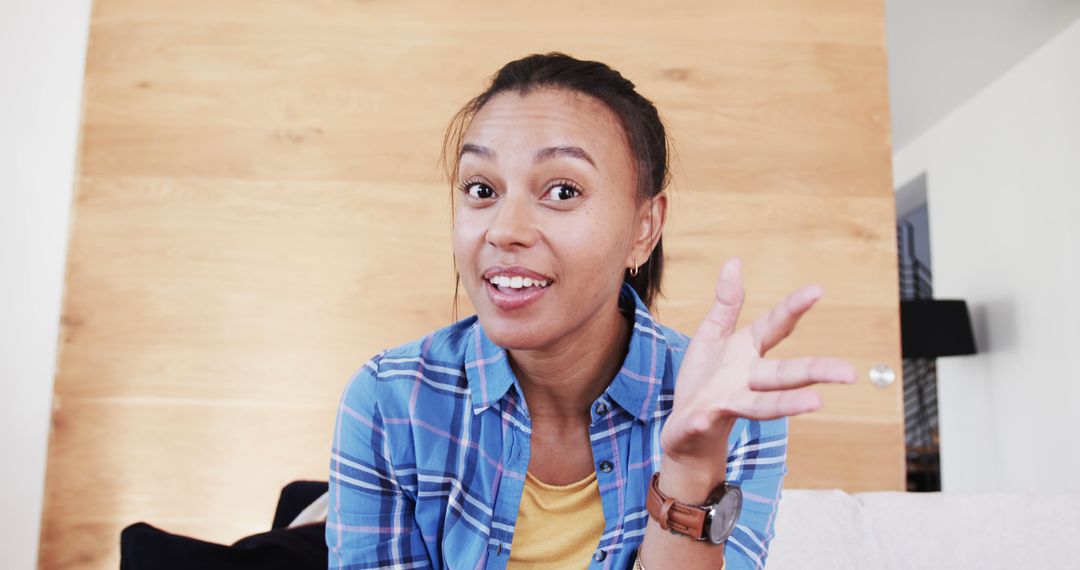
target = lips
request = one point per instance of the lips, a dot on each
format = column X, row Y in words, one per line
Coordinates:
column 513, row 288
column 515, row 271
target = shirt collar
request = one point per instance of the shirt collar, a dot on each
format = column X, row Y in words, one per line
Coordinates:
column 636, row 387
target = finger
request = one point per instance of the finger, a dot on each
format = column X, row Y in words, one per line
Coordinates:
column 786, row 374
column 771, row 328
column 780, row 404
column 724, row 313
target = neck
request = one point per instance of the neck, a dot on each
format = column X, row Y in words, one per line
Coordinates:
column 562, row 381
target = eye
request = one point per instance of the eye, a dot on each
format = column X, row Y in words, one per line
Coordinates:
column 477, row 190
column 562, row 191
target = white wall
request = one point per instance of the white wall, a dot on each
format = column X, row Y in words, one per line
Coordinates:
column 942, row 53
column 1003, row 189
column 42, row 49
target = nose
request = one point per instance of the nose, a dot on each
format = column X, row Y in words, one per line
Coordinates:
column 513, row 224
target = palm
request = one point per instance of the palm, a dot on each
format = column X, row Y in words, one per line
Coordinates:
column 724, row 375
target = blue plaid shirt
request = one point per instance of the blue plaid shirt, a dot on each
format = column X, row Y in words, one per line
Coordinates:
column 432, row 444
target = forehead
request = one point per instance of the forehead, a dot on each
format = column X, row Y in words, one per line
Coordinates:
column 511, row 122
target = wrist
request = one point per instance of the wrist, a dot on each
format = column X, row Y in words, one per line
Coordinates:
column 691, row 482
column 690, row 478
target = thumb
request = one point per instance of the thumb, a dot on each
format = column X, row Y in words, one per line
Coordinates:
column 721, row 318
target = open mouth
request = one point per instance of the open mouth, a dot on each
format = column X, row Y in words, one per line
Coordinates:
column 517, row 284
column 514, row 288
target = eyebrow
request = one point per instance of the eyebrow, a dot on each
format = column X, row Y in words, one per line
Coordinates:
column 568, row 151
column 542, row 155
column 482, row 151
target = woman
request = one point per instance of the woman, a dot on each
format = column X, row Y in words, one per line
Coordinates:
column 561, row 426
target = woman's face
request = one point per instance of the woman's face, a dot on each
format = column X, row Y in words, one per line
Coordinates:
column 547, row 217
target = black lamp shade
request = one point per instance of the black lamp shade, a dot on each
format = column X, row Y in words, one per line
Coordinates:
column 930, row 328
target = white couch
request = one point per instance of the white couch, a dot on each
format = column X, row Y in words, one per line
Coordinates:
column 893, row 531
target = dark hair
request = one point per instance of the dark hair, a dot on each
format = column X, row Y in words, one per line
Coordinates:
column 637, row 115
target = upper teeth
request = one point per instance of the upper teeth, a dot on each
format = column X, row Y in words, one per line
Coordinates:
column 517, row 281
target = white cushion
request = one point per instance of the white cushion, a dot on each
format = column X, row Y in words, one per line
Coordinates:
column 894, row 531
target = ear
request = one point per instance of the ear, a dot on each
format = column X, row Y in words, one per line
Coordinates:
column 649, row 226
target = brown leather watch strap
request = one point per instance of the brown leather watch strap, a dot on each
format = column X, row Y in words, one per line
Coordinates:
column 673, row 515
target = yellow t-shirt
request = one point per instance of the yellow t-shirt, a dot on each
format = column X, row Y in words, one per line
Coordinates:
column 558, row 526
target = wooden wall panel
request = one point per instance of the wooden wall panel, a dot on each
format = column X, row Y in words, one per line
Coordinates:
column 259, row 210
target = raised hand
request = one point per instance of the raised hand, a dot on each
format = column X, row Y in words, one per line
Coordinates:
column 724, row 375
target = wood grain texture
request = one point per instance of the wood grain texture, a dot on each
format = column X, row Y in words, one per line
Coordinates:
column 259, row 210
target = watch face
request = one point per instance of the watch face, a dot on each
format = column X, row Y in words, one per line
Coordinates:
column 725, row 513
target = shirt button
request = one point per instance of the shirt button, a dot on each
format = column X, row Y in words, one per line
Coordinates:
column 600, row 555
column 605, row 467
column 601, row 409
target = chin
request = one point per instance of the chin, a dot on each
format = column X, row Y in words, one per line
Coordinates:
column 516, row 333
column 529, row 327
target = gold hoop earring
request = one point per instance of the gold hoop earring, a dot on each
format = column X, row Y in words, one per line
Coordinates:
column 633, row 272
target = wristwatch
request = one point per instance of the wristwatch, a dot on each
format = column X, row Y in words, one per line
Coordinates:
column 711, row 522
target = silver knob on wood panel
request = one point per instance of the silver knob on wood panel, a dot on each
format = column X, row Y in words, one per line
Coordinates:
column 882, row 375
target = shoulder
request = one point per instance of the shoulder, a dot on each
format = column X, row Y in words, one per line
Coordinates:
column 437, row 359
column 676, row 343
column 675, row 340
column 444, row 345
